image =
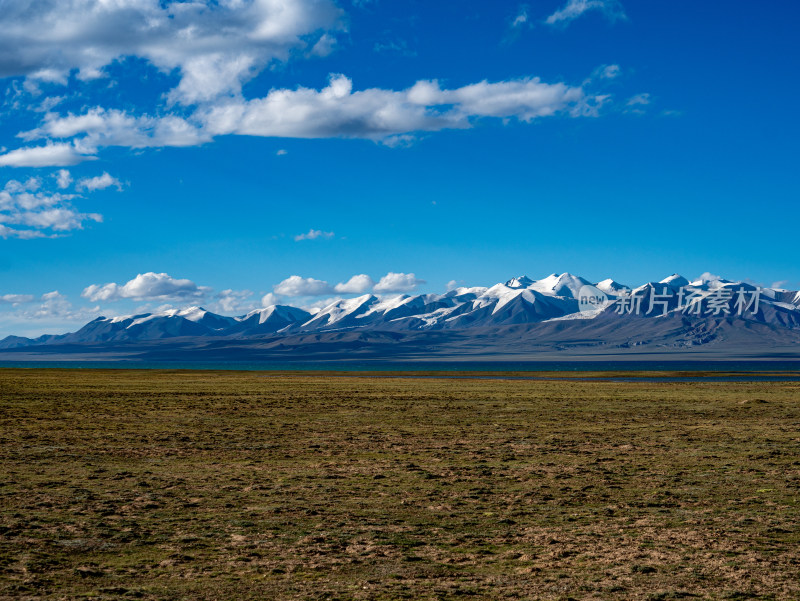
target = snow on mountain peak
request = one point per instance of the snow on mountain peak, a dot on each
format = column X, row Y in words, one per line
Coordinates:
column 522, row 281
column 610, row 286
column 675, row 281
column 121, row 318
column 279, row 314
column 341, row 309
column 566, row 284
column 263, row 314
column 707, row 282
column 190, row 313
column 518, row 301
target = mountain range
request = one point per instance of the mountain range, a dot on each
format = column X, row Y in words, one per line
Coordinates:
column 523, row 318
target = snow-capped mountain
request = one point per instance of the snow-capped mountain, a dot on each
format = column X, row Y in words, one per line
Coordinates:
column 676, row 307
column 191, row 321
column 675, row 281
column 611, row 287
column 267, row 321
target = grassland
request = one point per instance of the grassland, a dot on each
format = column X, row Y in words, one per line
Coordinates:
column 225, row 485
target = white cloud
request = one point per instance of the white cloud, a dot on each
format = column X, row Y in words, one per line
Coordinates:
column 282, row 152
column 16, row 299
column 7, row 232
column 324, row 46
column 50, row 155
column 270, row 299
column 573, row 9
column 296, row 285
column 709, row 277
column 102, row 127
column 215, row 45
column 318, row 305
column 147, row 286
column 90, row 74
column 48, row 104
column 59, row 219
column 299, row 286
column 49, row 76
column 335, row 111
column 232, row 301
column 358, row 284
column 607, row 72
column 32, row 184
column 338, row 111
column 521, row 18
column 39, row 213
column 398, row 282
column 313, row 235
column 55, row 305
column 101, row 182
column 52, row 314
column 638, row 100
column 637, row 104
column 63, row 179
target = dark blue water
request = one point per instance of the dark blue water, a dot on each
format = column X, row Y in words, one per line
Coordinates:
column 749, row 371
column 755, row 367
column 699, row 378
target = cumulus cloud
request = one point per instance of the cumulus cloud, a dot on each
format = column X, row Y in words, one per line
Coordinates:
column 573, row 9
column 63, row 179
column 50, row 155
column 216, row 45
column 16, row 299
column 398, row 282
column 29, row 211
column 316, row 306
column 335, row 111
column 324, row 46
column 299, row 286
column 53, row 313
column 101, row 182
column 110, row 127
column 147, row 286
column 358, row 284
column 710, row 279
column 270, row 299
column 338, row 111
column 296, row 285
column 55, row 306
column 58, row 219
column 232, row 301
column 313, row 235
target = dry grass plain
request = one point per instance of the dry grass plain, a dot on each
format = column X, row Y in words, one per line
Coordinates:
column 244, row 485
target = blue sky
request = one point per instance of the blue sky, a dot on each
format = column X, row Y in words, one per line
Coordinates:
column 196, row 145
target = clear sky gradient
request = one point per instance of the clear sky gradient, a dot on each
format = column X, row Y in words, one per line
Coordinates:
column 628, row 140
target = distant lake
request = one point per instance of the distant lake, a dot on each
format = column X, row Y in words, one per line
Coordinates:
column 755, row 369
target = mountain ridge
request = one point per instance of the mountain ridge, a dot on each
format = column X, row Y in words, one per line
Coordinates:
column 670, row 314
